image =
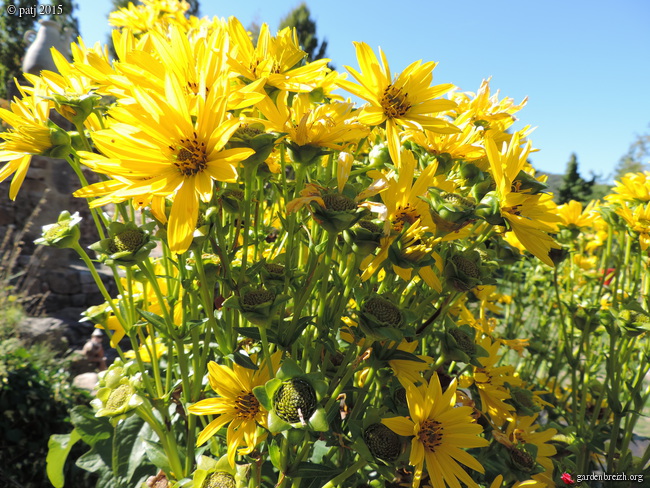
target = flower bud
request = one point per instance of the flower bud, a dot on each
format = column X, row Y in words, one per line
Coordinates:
column 340, row 212
column 523, row 400
column 307, row 154
column 449, row 211
column 463, row 271
column 382, row 442
column 219, row 479
column 76, row 108
column 525, row 183
column 252, row 136
column 231, row 200
column 64, row 234
column 522, row 460
column 489, row 209
column 379, row 155
column 126, row 245
column 117, row 394
column 295, row 401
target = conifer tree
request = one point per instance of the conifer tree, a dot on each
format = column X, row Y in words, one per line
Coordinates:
column 300, row 19
column 573, row 186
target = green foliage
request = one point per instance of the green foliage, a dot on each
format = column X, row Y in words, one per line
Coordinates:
column 35, row 395
column 634, row 160
column 12, row 44
column 573, row 186
column 121, row 456
column 300, row 19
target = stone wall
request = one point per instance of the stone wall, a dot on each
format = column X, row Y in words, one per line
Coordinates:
column 58, row 273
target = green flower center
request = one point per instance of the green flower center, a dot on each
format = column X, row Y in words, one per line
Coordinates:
column 190, row 156
column 382, row 442
column 295, row 401
column 56, row 231
column 523, row 398
column 257, row 297
column 457, row 199
column 274, row 269
column 466, row 266
column 370, row 226
column 383, row 310
column 522, row 459
column 219, row 479
column 245, row 133
column 234, row 194
column 119, row 397
column 430, row 435
column 464, row 342
column 338, row 202
column 394, row 102
column 247, row 406
column 129, row 240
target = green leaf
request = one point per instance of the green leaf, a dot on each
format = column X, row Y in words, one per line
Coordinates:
column 156, row 454
column 130, row 446
column 318, row 420
column 271, row 387
column 242, row 360
column 290, row 369
column 91, row 429
column 92, row 461
column 276, row 424
column 59, row 447
column 275, row 453
column 262, row 397
column 154, row 319
column 254, row 333
column 403, row 355
column 311, row 470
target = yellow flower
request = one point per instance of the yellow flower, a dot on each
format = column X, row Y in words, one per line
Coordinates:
column 441, row 431
column 151, row 13
column 490, row 380
column 573, row 215
column 150, row 347
column 236, row 405
column 485, row 110
column 401, row 208
column 522, row 431
column 329, row 125
column 407, row 101
column 531, row 217
column 275, row 60
column 633, row 188
column 160, row 149
column 639, row 222
column 29, row 135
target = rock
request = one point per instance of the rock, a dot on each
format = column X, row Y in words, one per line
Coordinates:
column 38, row 330
column 85, row 381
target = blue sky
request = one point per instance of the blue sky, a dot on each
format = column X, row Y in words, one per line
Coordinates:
column 584, row 64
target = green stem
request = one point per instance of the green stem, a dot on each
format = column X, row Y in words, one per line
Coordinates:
column 336, row 481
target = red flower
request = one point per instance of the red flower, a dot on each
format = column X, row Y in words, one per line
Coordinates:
column 609, row 275
column 566, row 477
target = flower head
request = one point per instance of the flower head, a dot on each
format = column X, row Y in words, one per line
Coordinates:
column 236, row 406
column 407, row 101
column 441, row 431
column 158, row 148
